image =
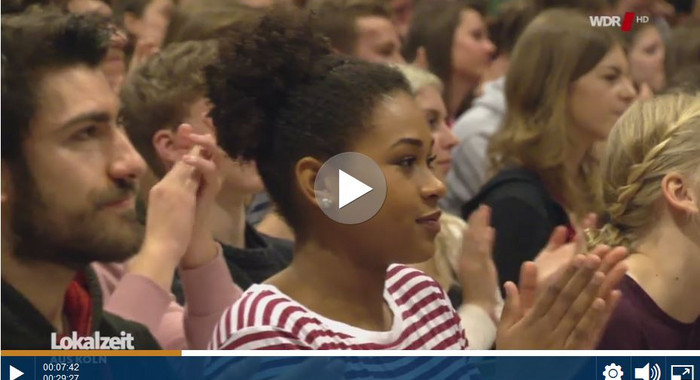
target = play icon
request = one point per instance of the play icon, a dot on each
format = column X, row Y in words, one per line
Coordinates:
column 15, row 373
column 350, row 188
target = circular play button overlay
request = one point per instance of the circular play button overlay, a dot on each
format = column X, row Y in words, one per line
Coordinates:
column 350, row 188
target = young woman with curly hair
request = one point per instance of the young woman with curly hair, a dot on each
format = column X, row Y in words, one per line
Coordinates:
column 282, row 98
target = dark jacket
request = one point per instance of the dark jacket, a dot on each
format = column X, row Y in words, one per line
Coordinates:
column 24, row 328
column 524, row 214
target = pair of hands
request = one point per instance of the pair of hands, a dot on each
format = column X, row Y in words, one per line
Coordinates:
column 178, row 230
column 564, row 298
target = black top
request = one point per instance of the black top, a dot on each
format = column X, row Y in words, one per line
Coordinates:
column 524, row 214
column 638, row 323
column 24, row 328
column 262, row 258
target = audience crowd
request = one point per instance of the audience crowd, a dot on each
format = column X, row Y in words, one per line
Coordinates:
column 159, row 159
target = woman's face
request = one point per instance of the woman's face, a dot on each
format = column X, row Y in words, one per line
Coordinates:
column 472, row 50
column 432, row 105
column 599, row 97
column 647, row 55
column 404, row 229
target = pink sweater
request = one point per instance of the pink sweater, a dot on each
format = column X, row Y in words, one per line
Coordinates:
column 209, row 291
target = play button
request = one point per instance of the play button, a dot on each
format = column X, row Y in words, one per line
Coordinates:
column 15, row 373
column 350, row 188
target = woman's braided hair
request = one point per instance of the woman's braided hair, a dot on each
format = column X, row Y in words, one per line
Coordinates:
column 653, row 138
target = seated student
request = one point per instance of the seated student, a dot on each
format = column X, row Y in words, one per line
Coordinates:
column 342, row 289
column 146, row 21
column 157, row 99
column 651, row 178
column 476, row 125
column 567, row 84
column 683, row 47
column 646, row 51
column 450, row 39
column 69, row 177
column 359, row 28
column 469, row 280
column 466, row 274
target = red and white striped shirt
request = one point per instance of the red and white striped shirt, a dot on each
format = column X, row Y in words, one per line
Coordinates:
column 265, row 318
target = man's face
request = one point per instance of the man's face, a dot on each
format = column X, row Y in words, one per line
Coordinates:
column 72, row 199
column 377, row 40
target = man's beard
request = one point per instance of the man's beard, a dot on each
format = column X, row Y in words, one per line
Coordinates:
column 45, row 232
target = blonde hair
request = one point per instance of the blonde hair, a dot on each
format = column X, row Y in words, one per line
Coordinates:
column 418, row 78
column 653, row 138
column 556, row 49
column 448, row 248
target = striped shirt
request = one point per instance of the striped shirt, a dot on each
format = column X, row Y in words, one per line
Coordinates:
column 265, row 318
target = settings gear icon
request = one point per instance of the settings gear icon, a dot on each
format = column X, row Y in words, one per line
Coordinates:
column 613, row 372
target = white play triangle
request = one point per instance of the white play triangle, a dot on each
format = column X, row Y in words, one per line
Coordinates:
column 15, row 373
column 349, row 189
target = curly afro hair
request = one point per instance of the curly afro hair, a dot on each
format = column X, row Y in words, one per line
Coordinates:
column 280, row 95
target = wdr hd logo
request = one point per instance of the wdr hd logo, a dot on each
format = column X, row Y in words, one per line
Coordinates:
column 624, row 23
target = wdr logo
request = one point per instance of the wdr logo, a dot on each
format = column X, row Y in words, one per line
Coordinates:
column 625, row 24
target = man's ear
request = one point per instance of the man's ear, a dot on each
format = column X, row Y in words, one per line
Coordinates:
column 679, row 194
column 305, row 172
column 166, row 148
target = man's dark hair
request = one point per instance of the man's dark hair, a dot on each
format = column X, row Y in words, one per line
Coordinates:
column 280, row 95
column 158, row 94
column 337, row 19
column 33, row 44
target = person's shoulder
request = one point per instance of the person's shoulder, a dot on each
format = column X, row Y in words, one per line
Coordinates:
column 486, row 114
column 263, row 315
column 513, row 186
column 625, row 328
column 400, row 275
column 409, row 285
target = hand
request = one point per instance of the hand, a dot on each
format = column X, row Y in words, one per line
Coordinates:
column 170, row 220
column 573, row 309
column 202, row 247
column 476, row 269
column 558, row 252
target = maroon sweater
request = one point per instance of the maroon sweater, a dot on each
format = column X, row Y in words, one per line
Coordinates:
column 638, row 323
